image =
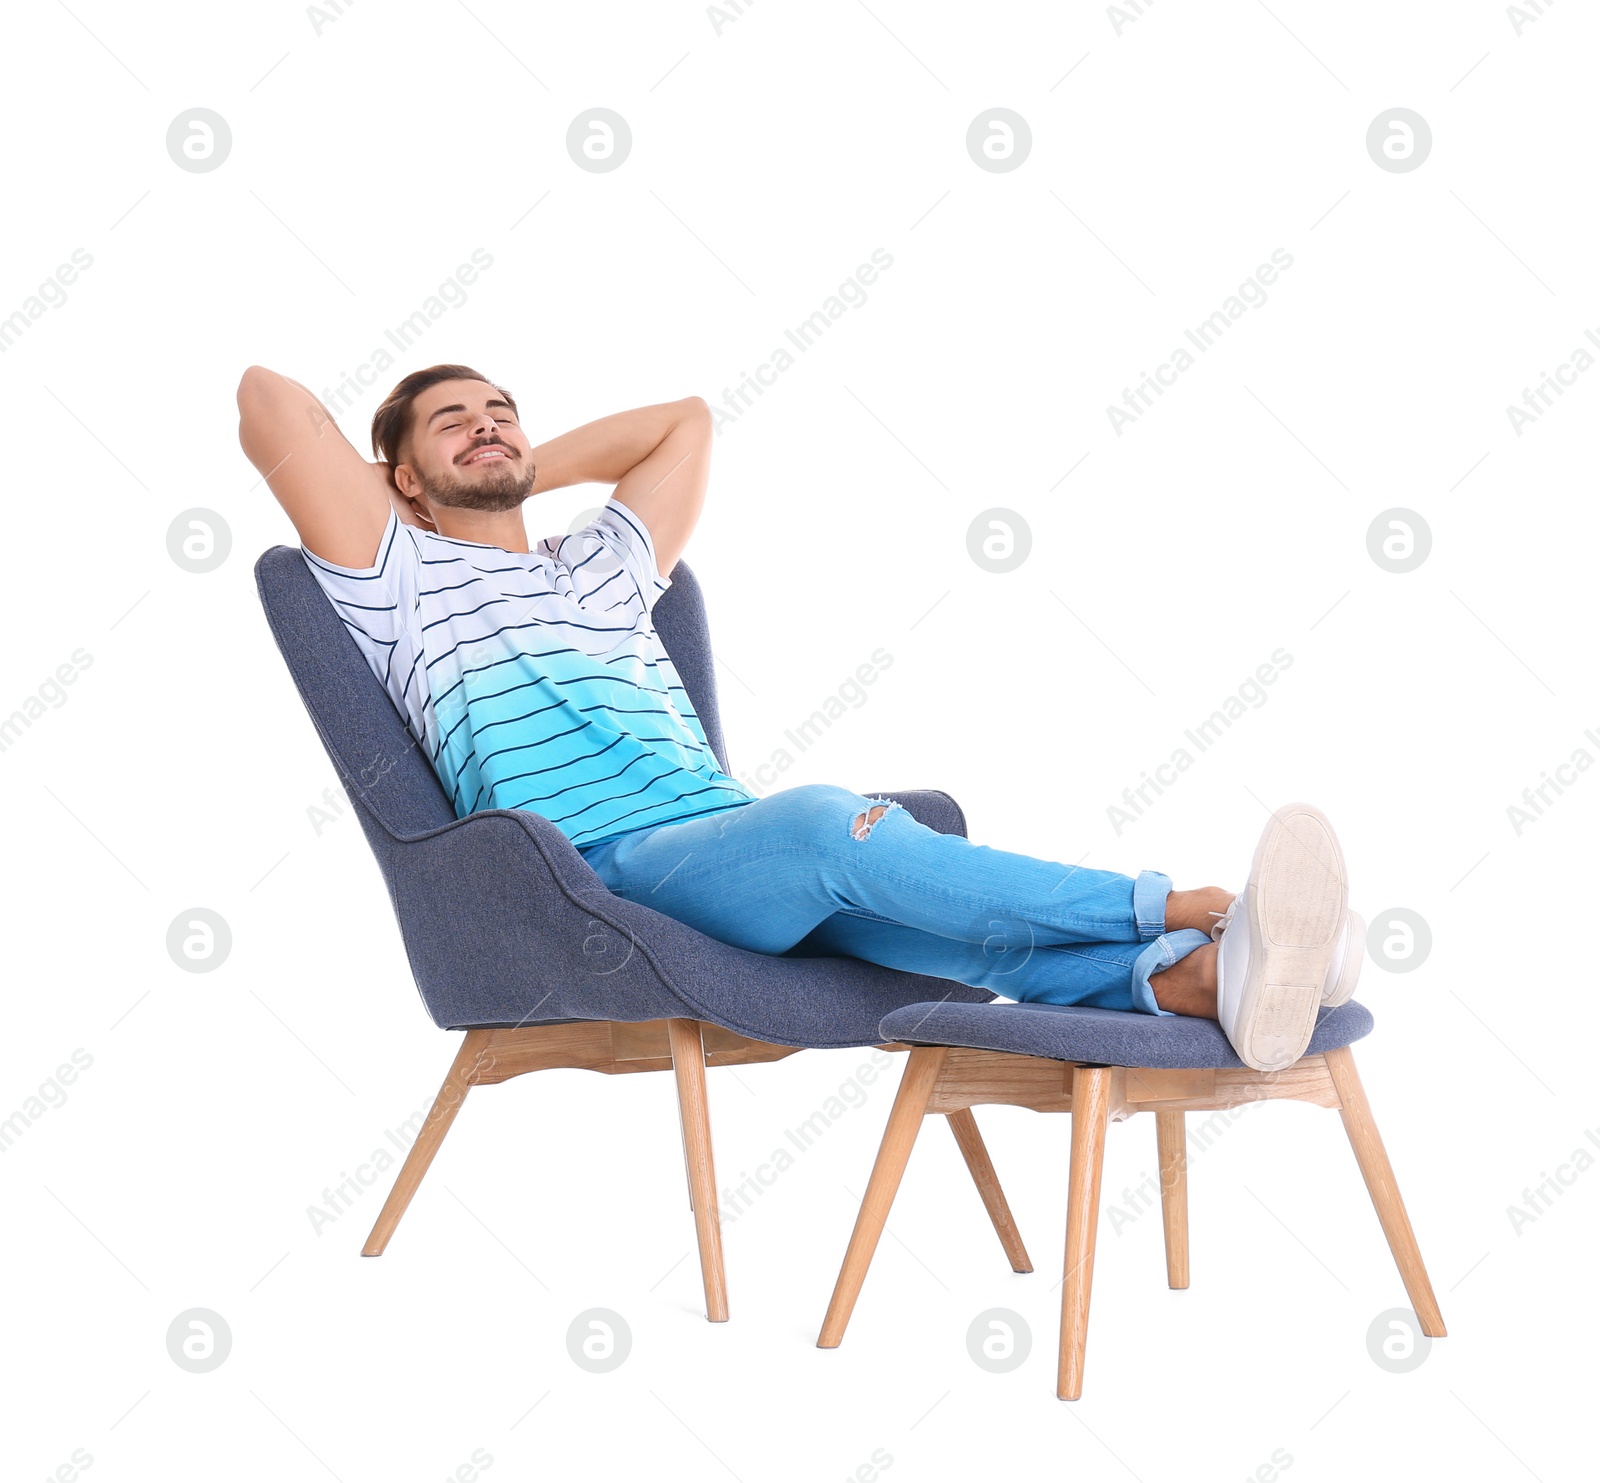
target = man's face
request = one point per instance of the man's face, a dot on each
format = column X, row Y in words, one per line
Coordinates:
column 466, row 450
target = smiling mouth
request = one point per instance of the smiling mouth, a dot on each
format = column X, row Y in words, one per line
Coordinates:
column 487, row 454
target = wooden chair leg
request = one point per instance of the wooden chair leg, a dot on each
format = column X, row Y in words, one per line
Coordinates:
column 688, row 1169
column 440, row 1116
column 923, row 1066
column 1379, row 1175
column 1170, row 1148
column 689, row 1066
column 970, row 1141
column 1091, row 1107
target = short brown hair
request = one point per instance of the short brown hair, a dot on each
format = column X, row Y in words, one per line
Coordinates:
column 392, row 421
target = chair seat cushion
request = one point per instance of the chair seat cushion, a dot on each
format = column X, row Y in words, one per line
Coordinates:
column 1110, row 1037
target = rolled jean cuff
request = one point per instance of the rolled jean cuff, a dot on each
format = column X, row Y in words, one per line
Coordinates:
column 1150, row 892
column 1156, row 958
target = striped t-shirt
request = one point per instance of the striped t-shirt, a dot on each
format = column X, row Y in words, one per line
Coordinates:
column 536, row 681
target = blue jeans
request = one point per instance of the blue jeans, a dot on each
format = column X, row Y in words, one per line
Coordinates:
column 788, row 875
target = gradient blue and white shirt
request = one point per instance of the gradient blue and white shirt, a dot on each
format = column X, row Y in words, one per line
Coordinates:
column 536, row 681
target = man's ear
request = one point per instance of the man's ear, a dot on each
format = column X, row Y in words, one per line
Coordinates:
column 409, row 498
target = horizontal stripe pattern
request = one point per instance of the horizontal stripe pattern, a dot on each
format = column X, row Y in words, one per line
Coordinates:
column 536, row 681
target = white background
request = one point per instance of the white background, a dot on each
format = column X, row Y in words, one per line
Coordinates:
column 772, row 153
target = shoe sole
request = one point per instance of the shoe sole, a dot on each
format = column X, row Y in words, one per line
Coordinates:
column 1298, row 895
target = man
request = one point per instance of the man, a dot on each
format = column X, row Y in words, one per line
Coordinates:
column 534, row 679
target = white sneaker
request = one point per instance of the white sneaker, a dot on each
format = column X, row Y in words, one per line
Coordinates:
column 1344, row 970
column 1276, row 953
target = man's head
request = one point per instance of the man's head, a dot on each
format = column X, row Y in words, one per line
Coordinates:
column 452, row 438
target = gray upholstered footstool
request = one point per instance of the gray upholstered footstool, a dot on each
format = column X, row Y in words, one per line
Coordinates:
column 1102, row 1066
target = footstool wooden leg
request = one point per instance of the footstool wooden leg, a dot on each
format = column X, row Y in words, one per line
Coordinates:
column 1379, row 1175
column 1174, row 1195
column 923, row 1066
column 970, row 1141
column 1091, row 1106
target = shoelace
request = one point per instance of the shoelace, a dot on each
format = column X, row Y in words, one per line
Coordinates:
column 1226, row 917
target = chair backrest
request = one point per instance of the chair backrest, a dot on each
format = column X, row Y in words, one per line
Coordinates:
column 381, row 766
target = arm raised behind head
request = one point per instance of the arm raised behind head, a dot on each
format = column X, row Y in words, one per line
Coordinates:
column 658, row 457
column 338, row 500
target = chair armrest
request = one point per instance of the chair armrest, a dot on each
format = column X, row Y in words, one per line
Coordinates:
column 505, row 923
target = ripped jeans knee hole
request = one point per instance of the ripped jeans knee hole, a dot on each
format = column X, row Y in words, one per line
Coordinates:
column 862, row 825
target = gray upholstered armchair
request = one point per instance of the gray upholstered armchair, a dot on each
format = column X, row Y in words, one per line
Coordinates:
column 513, row 938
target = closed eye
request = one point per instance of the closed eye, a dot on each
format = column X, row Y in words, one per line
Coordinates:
column 452, row 426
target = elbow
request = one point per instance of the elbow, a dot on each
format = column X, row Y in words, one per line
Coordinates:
column 260, row 391
column 256, row 382
column 695, row 412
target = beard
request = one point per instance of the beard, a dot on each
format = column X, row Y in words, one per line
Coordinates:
column 498, row 487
